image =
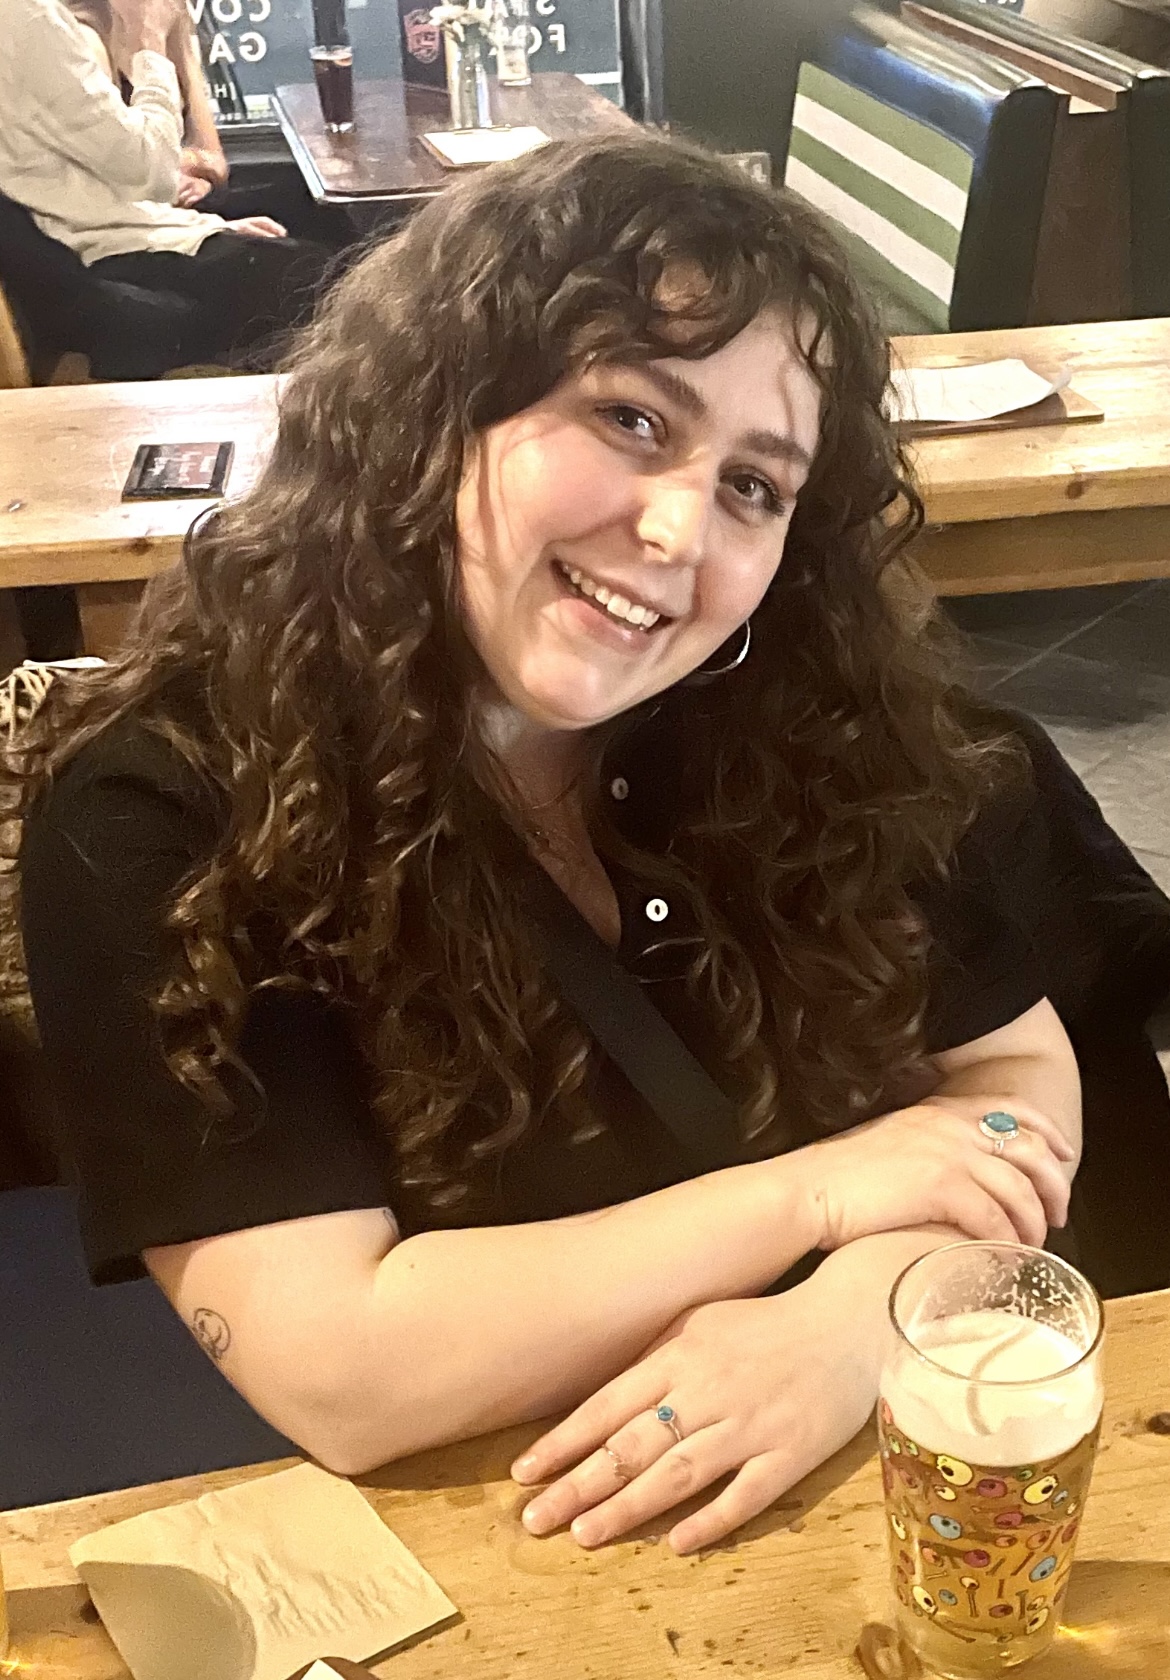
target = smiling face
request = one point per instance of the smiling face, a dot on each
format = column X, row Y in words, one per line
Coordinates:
column 614, row 535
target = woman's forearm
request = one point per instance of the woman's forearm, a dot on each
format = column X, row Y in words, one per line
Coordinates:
column 363, row 1350
column 199, row 130
column 550, row 1311
column 453, row 1333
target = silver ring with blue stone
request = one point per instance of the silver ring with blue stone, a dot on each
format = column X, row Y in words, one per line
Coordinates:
column 667, row 1415
column 1002, row 1128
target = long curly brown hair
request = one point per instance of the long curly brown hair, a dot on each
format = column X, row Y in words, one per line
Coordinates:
column 309, row 660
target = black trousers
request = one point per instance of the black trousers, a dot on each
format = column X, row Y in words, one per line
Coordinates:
column 251, row 293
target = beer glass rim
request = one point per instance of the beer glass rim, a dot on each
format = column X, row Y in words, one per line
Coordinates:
column 997, row 1382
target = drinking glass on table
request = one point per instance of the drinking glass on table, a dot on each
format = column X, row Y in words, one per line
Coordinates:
column 332, row 58
column 988, row 1419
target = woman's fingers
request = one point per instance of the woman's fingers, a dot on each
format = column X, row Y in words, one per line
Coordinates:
column 592, row 1423
column 640, row 1472
column 1017, row 1196
column 971, row 1110
column 602, row 1475
column 684, row 1469
column 759, row 1484
column 1032, row 1158
column 975, row 1210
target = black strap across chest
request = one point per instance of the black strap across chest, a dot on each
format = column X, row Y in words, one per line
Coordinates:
column 614, row 1009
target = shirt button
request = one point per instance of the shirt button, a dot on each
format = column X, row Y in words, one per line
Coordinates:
column 657, row 910
column 620, row 788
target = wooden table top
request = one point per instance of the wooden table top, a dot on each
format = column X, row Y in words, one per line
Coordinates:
column 789, row 1595
column 1122, row 461
column 65, row 451
column 384, row 157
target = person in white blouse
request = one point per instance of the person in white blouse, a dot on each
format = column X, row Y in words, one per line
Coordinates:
column 108, row 176
column 203, row 166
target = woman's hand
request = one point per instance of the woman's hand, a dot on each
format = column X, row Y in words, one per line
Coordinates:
column 258, row 227
column 766, row 1389
column 931, row 1165
column 204, row 163
column 191, row 189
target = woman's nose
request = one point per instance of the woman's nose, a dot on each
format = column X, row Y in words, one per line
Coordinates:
column 673, row 520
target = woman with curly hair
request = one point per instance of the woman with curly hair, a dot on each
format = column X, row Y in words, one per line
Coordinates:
column 569, row 583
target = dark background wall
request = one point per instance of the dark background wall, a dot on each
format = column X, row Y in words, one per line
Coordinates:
column 728, row 73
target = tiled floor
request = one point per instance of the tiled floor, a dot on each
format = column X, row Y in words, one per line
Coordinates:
column 1094, row 666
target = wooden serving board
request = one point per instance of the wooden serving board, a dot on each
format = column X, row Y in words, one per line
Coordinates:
column 1062, row 408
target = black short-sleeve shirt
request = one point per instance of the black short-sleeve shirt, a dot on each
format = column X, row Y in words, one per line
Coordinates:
column 102, row 857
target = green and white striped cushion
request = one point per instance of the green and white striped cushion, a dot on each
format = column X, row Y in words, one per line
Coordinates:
column 896, row 189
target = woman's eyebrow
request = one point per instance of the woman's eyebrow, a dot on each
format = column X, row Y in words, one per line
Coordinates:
column 762, row 442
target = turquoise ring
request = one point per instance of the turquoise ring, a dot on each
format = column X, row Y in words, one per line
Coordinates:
column 667, row 1415
column 1002, row 1128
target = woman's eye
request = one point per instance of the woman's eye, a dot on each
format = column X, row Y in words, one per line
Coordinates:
column 758, row 493
column 633, row 420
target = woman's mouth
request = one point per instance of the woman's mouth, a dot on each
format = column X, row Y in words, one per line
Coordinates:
column 619, row 608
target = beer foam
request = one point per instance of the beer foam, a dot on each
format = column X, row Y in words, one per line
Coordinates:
column 1024, row 1405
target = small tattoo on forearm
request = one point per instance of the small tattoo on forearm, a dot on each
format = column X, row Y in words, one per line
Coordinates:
column 211, row 1332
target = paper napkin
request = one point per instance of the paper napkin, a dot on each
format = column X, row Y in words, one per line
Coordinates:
column 257, row 1581
column 974, row 392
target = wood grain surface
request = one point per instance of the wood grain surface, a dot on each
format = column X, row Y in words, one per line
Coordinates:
column 1123, row 462
column 64, row 457
column 384, row 158
column 1010, row 509
column 788, row 1596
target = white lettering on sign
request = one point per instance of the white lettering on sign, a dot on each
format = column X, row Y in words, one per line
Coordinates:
column 250, row 45
column 556, row 38
column 546, row 8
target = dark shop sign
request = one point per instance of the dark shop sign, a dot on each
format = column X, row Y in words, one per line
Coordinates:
column 250, row 47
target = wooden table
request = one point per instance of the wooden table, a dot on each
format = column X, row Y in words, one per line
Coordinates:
column 384, row 160
column 1054, row 506
column 65, row 451
column 788, row 1596
column 1037, row 508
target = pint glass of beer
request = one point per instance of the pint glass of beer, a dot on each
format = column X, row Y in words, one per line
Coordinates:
column 333, row 74
column 332, row 58
column 988, row 1419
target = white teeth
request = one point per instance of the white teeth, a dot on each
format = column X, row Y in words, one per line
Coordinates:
column 617, row 606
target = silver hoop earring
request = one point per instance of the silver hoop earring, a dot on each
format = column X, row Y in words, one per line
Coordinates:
column 704, row 675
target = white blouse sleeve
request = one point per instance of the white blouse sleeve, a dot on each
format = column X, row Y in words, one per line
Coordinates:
column 62, row 92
